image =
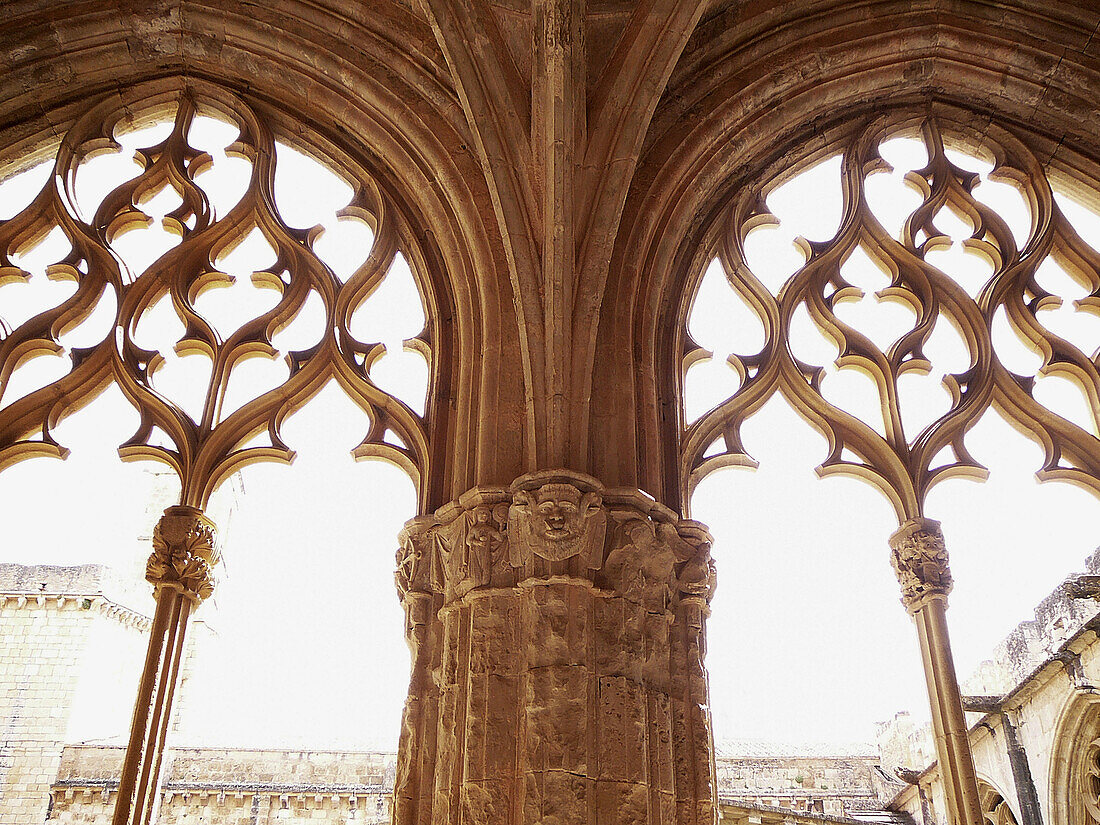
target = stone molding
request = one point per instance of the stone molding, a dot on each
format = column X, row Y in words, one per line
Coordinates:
column 184, row 553
column 555, row 524
column 919, row 558
column 75, row 601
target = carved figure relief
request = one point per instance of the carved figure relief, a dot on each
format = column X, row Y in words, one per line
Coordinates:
column 919, row 558
column 448, row 558
column 556, row 604
column 556, row 522
column 640, row 565
column 486, row 555
column 698, row 577
column 409, row 574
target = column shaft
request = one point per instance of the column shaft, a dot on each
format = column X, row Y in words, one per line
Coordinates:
column 558, row 641
column 181, row 571
column 948, row 719
column 920, row 562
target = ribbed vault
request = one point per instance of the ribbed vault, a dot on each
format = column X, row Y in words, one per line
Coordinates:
column 755, row 84
column 562, row 170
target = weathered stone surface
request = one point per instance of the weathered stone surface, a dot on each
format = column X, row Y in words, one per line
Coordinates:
column 556, row 692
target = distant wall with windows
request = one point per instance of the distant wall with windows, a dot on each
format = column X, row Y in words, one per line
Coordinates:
column 219, row 786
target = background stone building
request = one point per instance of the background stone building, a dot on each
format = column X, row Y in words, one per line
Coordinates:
column 66, row 634
column 1034, row 715
column 68, row 649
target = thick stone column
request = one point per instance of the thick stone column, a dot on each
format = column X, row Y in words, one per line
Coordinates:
column 558, row 637
column 919, row 557
column 181, row 570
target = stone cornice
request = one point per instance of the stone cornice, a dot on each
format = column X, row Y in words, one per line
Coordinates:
column 86, row 601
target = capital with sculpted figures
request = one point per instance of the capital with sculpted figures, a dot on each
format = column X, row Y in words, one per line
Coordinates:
column 919, row 558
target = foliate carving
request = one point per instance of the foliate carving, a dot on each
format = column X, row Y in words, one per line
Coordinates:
column 184, row 553
column 919, row 558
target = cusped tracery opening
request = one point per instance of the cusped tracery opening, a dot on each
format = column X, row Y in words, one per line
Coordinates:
column 188, row 280
column 995, row 807
column 897, row 289
column 241, row 274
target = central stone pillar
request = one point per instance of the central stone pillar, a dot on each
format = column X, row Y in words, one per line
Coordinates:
column 558, row 638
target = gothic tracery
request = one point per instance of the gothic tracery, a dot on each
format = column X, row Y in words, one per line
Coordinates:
column 903, row 463
column 1090, row 793
column 518, row 139
column 206, row 441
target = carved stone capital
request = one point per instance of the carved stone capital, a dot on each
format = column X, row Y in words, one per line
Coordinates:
column 184, row 553
column 919, row 558
column 557, row 523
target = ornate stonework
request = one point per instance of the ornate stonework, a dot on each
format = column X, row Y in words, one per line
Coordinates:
column 184, row 553
column 1090, row 792
column 557, row 630
column 556, row 521
column 994, row 806
column 919, row 558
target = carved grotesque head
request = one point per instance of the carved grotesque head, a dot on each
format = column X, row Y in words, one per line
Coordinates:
column 929, row 545
column 557, row 519
column 558, row 511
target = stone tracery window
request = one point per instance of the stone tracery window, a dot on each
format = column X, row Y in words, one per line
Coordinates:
column 1090, row 792
column 950, row 273
column 185, row 250
column 994, row 806
column 214, row 273
column 896, row 328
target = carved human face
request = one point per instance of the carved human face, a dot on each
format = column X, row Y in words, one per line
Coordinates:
column 557, row 512
column 929, row 545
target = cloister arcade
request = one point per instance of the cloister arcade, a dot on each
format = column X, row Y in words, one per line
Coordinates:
column 557, row 179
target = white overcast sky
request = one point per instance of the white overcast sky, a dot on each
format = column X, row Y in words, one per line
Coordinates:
column 807, row 642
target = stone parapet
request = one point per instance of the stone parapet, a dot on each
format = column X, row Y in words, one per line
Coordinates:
column 301, row 770
column 226, row 786
column 23, row 584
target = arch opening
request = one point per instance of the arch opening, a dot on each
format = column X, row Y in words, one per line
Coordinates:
column 908, row 316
